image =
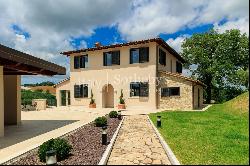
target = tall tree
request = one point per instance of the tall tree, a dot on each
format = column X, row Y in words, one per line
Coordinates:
column 217, row 57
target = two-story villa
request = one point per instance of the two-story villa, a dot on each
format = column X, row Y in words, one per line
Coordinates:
column 147, row 71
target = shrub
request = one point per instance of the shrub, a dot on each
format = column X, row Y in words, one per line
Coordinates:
column 121, row 100
column 92, row 100
column 61, row 146
column 101, row 121
column 113, row 114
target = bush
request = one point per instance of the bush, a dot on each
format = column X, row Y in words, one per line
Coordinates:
column 61, row 146
column 101, row 121
column 113, row 114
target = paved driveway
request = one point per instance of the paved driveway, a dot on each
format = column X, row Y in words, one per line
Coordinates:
column 40, row 126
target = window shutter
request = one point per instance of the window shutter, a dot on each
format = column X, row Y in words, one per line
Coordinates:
column 85, row 90
column 76, row 91
column 116, row 57
column 144, row 88
column 104, row 60
column 144, row 54
column 131, row 57
column 82, row 62
column 76, row 62
column 81, row 91
column 178, row 67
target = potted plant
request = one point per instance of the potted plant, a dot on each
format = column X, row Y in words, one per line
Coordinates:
column 121, row 104
column 92, row 103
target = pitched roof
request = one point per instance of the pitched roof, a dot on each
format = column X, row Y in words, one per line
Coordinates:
column 16, row 62
column 160, row 41
column 182, row 77
column 60, row 82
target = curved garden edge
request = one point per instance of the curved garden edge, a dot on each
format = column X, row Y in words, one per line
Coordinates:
column 169, row 152
column 108, row 150
column 30, row 157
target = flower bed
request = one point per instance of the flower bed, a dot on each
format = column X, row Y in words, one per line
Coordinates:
column 86, row 143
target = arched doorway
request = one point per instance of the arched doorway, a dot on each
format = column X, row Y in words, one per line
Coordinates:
column 108, row 96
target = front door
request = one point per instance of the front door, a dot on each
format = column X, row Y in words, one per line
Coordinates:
column 63, row 97
column 108, row 96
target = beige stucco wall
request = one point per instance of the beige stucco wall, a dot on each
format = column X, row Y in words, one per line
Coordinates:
column 1, row 103
column 184, row 101
column 12, row 99
column 41, row 104
column 195, row 98
column 62, row 86
column 119, row 76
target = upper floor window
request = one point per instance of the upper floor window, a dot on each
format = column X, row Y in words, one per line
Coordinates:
column 111, row 58
column 139, row 55
column 81, row 61
column 178, row 67
column 139, row 89
column 162, row 57
column 171, row 91
column 81, row 91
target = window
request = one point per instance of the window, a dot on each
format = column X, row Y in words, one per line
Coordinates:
column 81, row 61
column 178, row 67
column 139, row 89
column 139, row 55
column 111, row 58
column 81, row 91
column 162, row 57
column 171, row 91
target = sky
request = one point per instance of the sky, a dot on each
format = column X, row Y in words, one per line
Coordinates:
column 46, row 28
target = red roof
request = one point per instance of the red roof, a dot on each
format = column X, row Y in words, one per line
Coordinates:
column 160, row 41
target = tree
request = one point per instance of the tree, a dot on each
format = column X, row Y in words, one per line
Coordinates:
column 218, row 58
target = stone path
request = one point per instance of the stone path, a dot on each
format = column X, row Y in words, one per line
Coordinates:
column 137, row 144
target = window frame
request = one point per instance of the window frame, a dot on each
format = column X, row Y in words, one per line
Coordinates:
column 80, row 91
column 162, row 57
column 178, row 67
column 142, row 58
column 169, row 92
column 115, row 58
column 142, row 89
column 80, row 61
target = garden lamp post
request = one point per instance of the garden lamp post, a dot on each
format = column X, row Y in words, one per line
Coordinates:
column 51, row 157
column 120, row 115
column 158, row 121
column 104, row 135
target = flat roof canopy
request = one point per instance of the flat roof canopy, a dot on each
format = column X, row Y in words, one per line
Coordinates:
column 18, row 63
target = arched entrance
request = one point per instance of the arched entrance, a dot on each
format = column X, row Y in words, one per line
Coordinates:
column 108, row 96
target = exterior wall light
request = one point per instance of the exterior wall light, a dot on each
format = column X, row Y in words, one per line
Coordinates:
column 51, row 157
column 120, row 115
column 158, row 121
column 104, row 135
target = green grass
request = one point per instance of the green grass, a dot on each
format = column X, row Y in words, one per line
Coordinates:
column 219, row 135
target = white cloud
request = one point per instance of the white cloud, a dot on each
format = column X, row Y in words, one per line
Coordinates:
column 153, row 17
column 53, row 23
column 177, row 42
column 241, row 24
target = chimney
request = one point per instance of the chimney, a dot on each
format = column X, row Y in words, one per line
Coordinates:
column 98, row 44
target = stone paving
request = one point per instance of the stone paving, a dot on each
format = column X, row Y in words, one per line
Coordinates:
column 137, row 144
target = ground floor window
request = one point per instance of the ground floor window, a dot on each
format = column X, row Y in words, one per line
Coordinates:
column 81, row 91
column 170, row 91
column 139, row 89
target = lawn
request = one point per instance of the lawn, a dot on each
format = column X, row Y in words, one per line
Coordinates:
column 219, row 135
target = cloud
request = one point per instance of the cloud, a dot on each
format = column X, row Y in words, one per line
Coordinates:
column 149, row 18
column 52, row 24
column 177, row 42
column 241, row 24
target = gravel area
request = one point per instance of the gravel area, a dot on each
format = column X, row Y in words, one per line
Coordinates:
column 87, row 146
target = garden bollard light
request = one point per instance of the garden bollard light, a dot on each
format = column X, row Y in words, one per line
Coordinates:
column 104, row 135
column 120, row 115
column 158, row 121
column 51, row 157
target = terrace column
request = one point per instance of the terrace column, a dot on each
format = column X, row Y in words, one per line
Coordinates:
column 1, row 103
column 12, row 99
